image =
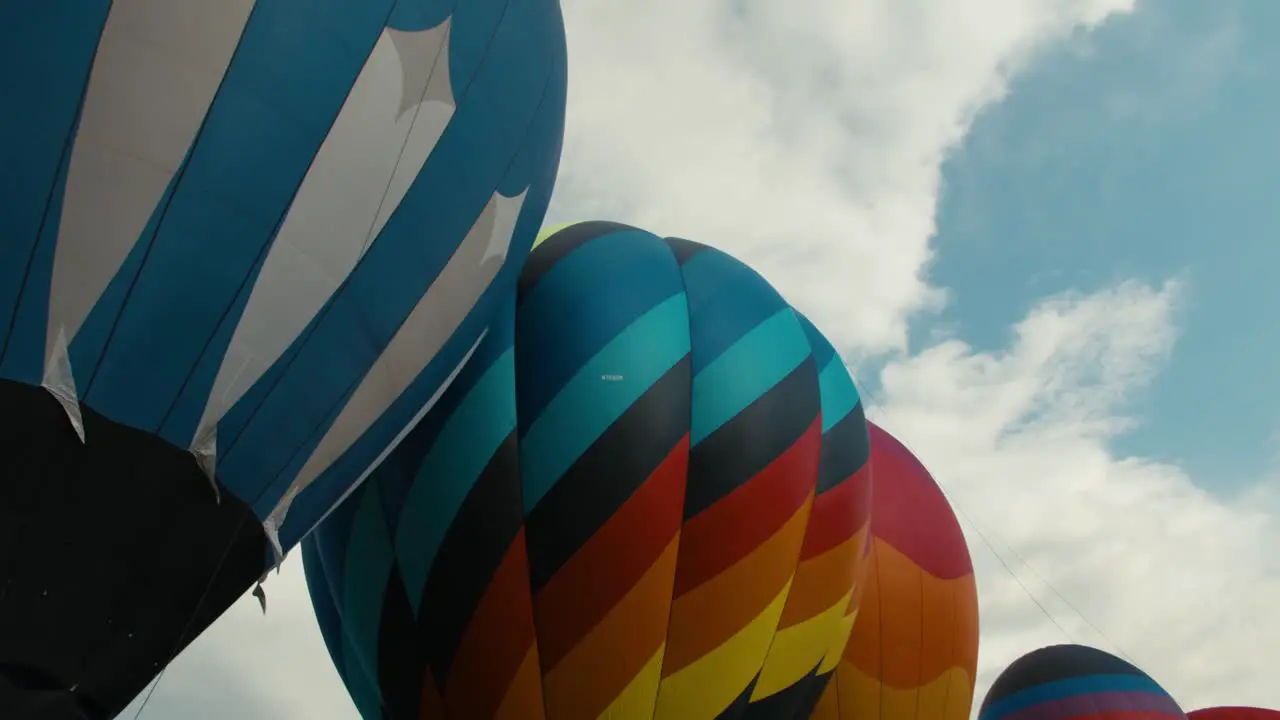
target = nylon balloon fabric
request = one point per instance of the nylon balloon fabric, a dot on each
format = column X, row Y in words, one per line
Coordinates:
column 646, row 498
column 913, row 653
column 242, row 246
column 1065, row 682
column 1234, row 713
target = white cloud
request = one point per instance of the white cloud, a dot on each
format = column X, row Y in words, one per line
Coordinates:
column 807, row 138
column 1181, row 582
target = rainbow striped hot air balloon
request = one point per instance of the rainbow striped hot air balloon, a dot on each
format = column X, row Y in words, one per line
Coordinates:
column 1075, row 682
column 914, row 649
column 647, row 497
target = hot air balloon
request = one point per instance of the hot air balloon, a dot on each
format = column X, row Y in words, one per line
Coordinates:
column 648, row 498
column 913, row 653
column 242, row 245
column 1234, row 713
column 1066, row 682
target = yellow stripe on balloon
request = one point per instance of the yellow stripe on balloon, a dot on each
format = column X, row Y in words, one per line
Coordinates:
column 637, row 700
column 798, row 649
column 707, row 687
column 839, row 639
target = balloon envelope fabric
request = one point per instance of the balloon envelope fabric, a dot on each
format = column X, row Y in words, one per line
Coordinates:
column 1234, row 713
column 646, row 497
column 913, row 654
column 1066, row 682
column 242, row 242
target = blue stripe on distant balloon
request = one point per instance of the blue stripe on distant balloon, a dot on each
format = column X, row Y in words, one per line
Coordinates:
column 368, row 568
column 448, row 195
column 581, row 304
column 46, row 51
column 839, row 394
column 746, row 371
column 818, row 343
column 462, row 450
column 289, row 78
column 726, row 300
column 1085, row 685
column 326, row 610
column 588, row 404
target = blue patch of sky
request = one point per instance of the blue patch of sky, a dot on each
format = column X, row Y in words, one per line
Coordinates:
column 1147, row 149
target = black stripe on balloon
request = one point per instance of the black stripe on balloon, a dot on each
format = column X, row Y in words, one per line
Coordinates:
column 1050, row 664
column 738, row 450
column 684, row 250
column 738, row 708
column 473, row 548
column 402, row 661
column 846, row 447
column 791, row 703
column 561, row 245
column 604, row 477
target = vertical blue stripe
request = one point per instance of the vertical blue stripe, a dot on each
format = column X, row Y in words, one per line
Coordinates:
column 581, row 304
column 745, row 371
column 472, row 156
column 326, row 611
column 589, row 403
column 288, row 80
column 839, row 394
column 46, row 51
column 460, row 453
column 368, row 569
column 24, row 354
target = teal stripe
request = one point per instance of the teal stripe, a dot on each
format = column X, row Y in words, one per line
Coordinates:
column 464, row 447
column 746, row 371
column 593, row 399
column 839, row 394
column 368, row 567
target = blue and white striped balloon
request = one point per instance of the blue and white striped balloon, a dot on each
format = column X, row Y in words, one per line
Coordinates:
column 268, row 231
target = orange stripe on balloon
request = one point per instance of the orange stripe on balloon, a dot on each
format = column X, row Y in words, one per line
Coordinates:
column 613, row 560
column 731, row 529
column 523, row 700
column 703, row 619
column 948, row 696
column 496, row 641
column 839, row 513
column 603, row 664
column 822, row 581
column 911, row 625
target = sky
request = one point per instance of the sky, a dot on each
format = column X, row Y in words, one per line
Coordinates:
column 1040, row 233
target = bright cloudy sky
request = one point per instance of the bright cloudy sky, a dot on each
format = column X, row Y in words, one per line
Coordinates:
column 1042, row 233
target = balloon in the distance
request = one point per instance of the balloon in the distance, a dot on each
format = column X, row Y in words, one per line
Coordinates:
column 914, row 648
column 238, row 240
column 646, row 497
column 1234, row 713
column 1070, row 682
